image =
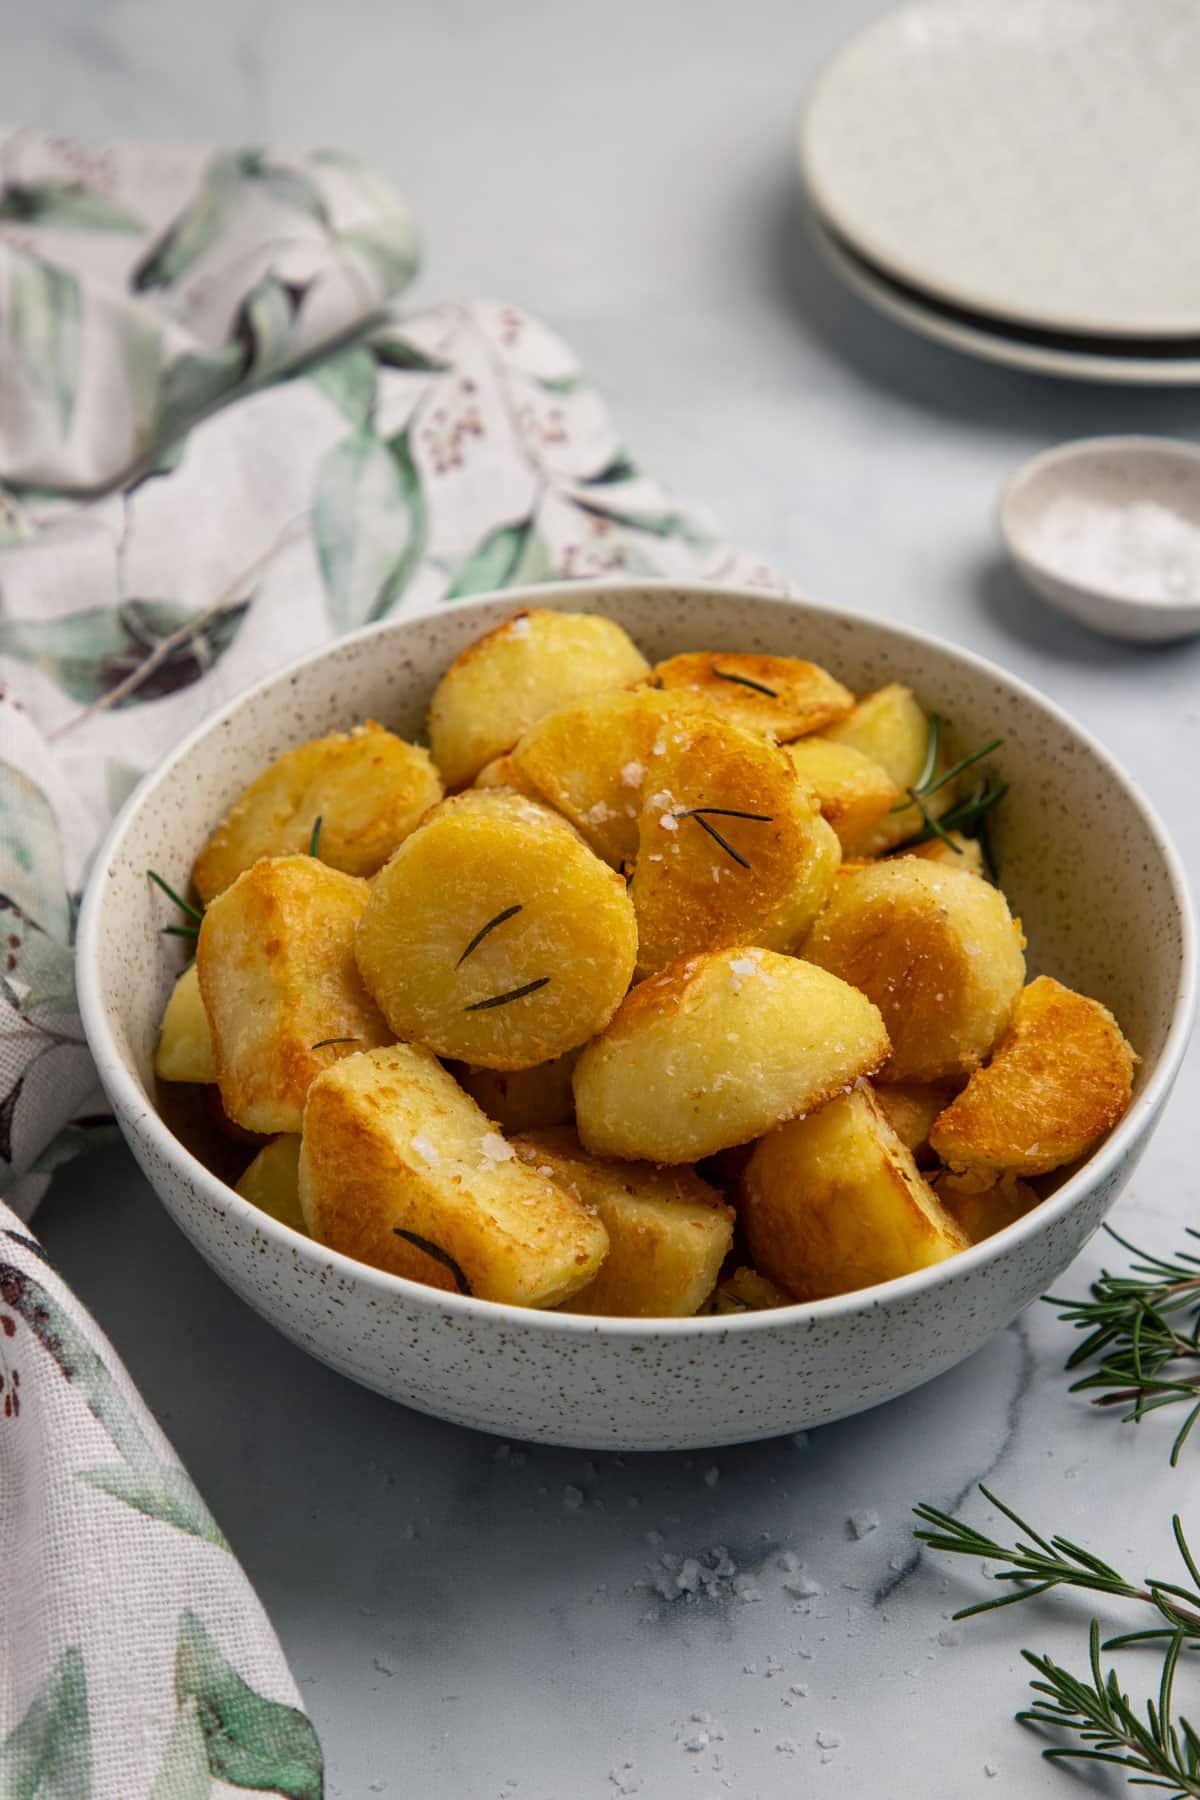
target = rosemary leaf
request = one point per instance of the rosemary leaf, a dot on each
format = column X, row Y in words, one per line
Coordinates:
column 510, row 912
column 323, row 1043
column 438, row 1254
column 187, row 931
column 185, row 906
column 518, row 993
column 760, row 687
column 716, row 836
column 315, row 839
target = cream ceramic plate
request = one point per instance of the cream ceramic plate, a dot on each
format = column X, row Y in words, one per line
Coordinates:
column 993, row 341
column 1037, row 160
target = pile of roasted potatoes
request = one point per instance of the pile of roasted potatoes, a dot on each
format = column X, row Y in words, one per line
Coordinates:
column 643, row 991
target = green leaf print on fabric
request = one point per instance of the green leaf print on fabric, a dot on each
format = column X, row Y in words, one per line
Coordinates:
column 397, row 353
column 508, row 557
column 67, row 206
column 201, row 223
column 45, row 319
column 152, row 1485
column 251, row 1741
column 349, row 380
column 194, row 383
column 37, row 972
column 32, row 875
column 184, row 1773
column 265, row 320
column 139, row 650
column 48, row 1756
column 368, row 521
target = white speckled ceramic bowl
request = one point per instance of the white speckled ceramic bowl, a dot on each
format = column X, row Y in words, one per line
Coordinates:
column 1084, row 861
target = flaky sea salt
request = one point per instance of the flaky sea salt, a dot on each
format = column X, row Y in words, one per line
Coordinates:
column 861, row 1524
column 426, row 1149
column 1140, row 551
column 494, row 1147
column 632, row 774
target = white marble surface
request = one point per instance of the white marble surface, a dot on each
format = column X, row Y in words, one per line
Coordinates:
column 463, row 1628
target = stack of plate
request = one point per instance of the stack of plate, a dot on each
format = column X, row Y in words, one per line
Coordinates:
column 1021, row 178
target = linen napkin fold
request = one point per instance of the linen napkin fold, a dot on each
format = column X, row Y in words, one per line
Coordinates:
column 154, row 561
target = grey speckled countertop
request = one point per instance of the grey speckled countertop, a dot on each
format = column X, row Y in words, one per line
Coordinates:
column 476, row 1622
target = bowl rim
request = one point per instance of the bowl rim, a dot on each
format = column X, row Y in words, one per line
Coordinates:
column 136, row 1110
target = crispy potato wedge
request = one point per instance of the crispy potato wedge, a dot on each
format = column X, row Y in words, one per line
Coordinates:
column 980, row 1212
column 367, row 787
column 852, row 792
column 499, row 686
column 272, row 1181
column 745, row 1290
column 276, row 967
column 967, row 853
column 591, row 761
column 910, row 1107
column 780, row 695
column 717, row 1049
column 502, row 771
column 891, row 727
column 495, row 935
column 834, row 1201
column 731, row 848
column 1060, row 1078
column 668, row 1231
column 185, row 1049
column 938, row 952
column 523, row 1099
column 396, row 1157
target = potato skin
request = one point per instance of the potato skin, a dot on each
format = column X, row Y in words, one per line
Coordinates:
column 474, row 857
column 272, row 1181
column 497, row 687
column 275, row 958
column 1060, row 1078
column 833, row 1202
column 938, row 952
column 523, row 1099
column 690, row 892
column 392, row 1143
column 852, row 792
column 892, row 728
column 367, row 787
column 718, row 1048
column 804, row 696
column 967, row 854
column 668, row 1231
column 185, row 1048
column 980, row 1212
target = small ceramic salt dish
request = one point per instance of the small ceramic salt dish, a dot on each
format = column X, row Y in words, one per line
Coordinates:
column 1108, row 531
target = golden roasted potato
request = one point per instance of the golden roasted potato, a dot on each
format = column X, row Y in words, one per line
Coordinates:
column 891, row 728
column 367, row 787
column 502, row 771
column 668, row 1231
column 523, row 1099
column 745, row 1290
column 185, row 1050
column 853, row 792
column 591, row 761
column 731, row 848
column 401, row 1169
column 967, row 853
column 494, row 934
column 272, row 1181
column 1060, row 1078
column 280, row 985
column 938, row 952
column 910, row 1107
column 777, row 694
column 834, row 1201
column 497, row 687
column 717, row 1049
column 980, row 1212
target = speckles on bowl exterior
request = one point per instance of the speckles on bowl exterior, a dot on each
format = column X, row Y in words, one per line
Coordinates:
column 1083, row 861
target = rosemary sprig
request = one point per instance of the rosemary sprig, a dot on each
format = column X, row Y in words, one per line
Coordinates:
column 966, row 816
column 700, row 814
column 187, row 931
column 315, row 839
column 760, row 687
column 438, row 1254
column 323, row 1043
column 517, row 993
column 1141, row 1327
column 185, row 906
column 510, row 912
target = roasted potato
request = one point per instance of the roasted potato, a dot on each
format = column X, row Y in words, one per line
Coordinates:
column 717, row 1049
column 731, row 848
column 980, row 1212
column 495, row 935
column 523, row 1099
column 961, row 853
column 1061, row 1077
column 938, row 952
column 502, row 771
column 497, row 687
column 910, row 1107
column 668, row 1231
column 401, row 1169
column 185, row 1050
column 280, row 986
column 891, row 728
column 591, row 761
column 852, row 792
column 745, row 1290
column 777, row 694
column 367, row 787
column 834, row 1201
column 272, row 1181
